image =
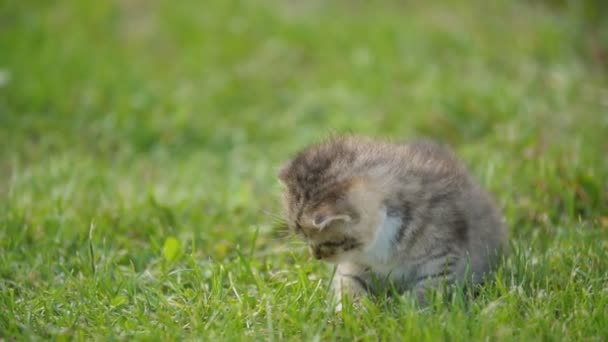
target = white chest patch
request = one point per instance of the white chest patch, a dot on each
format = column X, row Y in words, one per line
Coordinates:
column 379, row 253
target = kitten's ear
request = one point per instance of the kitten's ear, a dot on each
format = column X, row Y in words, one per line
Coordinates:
column 322, row 220
column 283, row 173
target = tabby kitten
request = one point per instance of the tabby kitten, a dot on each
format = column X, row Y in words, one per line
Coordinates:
column 406, row 217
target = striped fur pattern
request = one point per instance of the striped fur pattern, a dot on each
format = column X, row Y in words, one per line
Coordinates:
column 404, row 216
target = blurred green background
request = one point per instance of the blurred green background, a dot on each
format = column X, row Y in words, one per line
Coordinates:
column 155, row 120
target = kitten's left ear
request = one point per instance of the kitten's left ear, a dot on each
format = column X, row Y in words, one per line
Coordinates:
column 322, row 220
column 283, row 173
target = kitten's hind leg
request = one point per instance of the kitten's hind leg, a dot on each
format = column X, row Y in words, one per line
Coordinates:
column 434, row 274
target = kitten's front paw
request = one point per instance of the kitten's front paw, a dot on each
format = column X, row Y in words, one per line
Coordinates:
column 350, row 283
column 355, row 303
column 353, row 296
column 348, row 296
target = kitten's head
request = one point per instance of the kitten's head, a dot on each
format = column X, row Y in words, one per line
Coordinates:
column 326, row 202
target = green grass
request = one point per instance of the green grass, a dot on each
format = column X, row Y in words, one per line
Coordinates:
column 127, row 124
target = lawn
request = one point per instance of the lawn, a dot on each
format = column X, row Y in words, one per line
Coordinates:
column 140, row 139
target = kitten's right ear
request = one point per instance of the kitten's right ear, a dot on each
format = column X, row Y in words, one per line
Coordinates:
column 321, row 220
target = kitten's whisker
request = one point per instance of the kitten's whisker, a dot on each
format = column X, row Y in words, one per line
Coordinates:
column 272, row 214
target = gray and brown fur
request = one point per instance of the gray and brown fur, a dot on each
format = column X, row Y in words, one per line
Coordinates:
column 406, row 216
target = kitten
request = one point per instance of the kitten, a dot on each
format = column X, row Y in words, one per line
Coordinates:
column 407, row 217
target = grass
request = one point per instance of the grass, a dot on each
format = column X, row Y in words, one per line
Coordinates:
column 139, row 142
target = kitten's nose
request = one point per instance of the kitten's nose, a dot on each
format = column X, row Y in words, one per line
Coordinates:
column 321, row 252
column 314, row 251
